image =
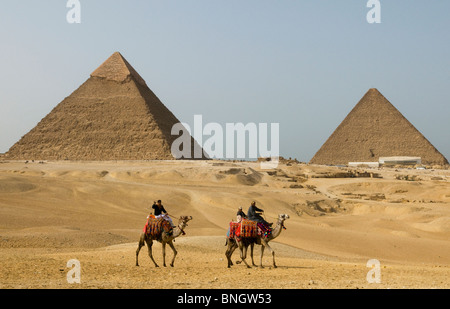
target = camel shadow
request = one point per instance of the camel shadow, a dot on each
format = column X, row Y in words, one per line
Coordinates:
column 280, row 267
column 296, row 267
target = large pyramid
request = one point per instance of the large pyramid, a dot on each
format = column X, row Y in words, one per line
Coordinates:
column 112, row 116
column 373, row 129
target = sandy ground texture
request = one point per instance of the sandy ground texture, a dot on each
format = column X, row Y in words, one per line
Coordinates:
column 340, row 218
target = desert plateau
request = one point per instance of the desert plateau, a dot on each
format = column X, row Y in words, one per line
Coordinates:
column 339, row 219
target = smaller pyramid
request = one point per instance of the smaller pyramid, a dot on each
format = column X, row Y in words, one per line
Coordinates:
column 113, row 115
column 373, row 129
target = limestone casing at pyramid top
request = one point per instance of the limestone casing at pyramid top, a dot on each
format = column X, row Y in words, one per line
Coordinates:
column 117, row 68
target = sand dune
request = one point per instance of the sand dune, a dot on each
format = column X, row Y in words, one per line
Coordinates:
column 95, row 211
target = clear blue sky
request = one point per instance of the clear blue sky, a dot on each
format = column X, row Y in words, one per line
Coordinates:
column 301, row 63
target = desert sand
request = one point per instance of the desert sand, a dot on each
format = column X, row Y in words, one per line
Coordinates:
column 54, row 211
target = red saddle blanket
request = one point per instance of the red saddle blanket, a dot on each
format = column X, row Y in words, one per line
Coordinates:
column 234, row 230
column 248, row 229
column 155, row 227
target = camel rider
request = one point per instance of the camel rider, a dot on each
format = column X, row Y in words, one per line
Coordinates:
column 240, row 215
column 160, row 212
column 254, row 216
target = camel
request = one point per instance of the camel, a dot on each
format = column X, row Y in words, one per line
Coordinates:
column 243, row 244
column 164, row 239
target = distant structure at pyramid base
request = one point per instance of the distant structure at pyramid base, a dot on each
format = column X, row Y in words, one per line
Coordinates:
column 112, row 116
column 374, row 129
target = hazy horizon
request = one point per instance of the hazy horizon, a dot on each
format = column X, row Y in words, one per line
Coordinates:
column 302, row 64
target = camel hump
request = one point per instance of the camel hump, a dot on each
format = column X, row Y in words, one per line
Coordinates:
column 156, row 226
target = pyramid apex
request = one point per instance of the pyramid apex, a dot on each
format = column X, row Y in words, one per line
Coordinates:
column 117, row 68
column 373, row 95
column 373, row 91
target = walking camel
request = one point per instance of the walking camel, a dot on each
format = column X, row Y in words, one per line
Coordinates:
column 163, row 239
column 243, row 244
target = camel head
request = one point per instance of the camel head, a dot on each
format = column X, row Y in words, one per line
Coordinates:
column 282, row 218
column 184, row 220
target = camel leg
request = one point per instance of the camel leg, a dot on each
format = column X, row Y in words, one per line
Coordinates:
column 228, row 253
column 149, row 245
column 252, row 245
column 265, row 244
column 140, row 245
column 238, row 261
column 262, row 253
column 243, row 250
column 164, row 253
column 231, row 247
column 174, row 252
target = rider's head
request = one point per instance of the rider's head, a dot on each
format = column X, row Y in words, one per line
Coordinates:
column 253, row 203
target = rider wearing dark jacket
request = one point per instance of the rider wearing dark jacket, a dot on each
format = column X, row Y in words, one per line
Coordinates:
column 159, row 208
column 254, row 216
column 241, row 213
